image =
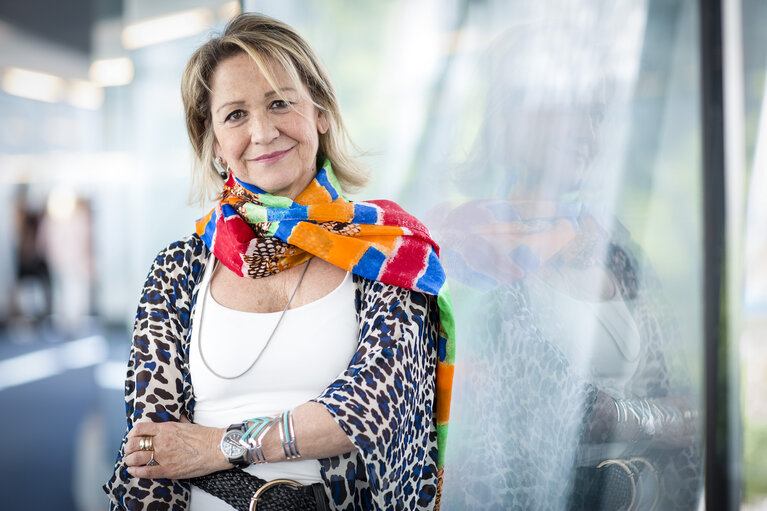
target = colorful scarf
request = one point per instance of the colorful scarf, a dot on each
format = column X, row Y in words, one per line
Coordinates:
column 257, row 234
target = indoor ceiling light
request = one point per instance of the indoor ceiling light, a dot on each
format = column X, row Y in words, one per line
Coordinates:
column 166, row 28
column 111, row 72
column 33, row 85
column 84, row 94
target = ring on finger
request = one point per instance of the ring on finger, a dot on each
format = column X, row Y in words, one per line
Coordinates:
column 145, row 443
column 152, row 462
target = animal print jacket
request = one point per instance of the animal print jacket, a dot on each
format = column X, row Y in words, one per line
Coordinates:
column 384, row 401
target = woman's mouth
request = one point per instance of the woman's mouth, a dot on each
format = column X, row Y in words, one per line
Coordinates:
column 271, row 157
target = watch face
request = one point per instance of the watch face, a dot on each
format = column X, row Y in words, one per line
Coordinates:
column 230, row 444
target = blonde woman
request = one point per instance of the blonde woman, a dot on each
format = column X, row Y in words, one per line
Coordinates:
column 286, row 354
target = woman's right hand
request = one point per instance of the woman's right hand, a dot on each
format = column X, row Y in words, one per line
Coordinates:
column 181, row 449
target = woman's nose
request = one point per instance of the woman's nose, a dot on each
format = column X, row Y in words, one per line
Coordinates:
column 262, row 129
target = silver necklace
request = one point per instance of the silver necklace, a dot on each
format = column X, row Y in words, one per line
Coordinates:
column 199, row 332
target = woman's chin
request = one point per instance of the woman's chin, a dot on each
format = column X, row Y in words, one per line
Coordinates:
column 280, row 187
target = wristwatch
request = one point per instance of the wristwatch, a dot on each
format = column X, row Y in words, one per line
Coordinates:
column 234, row 452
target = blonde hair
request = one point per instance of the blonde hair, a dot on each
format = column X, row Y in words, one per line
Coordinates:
column 268, row 42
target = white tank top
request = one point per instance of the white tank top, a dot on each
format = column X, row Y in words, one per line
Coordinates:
column 311, row 348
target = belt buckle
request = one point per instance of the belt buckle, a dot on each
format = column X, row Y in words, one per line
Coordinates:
column 269, row 484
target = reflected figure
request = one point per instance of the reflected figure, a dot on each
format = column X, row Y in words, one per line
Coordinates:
column 567, row 398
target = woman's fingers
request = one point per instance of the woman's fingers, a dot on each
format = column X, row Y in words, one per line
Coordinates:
column 139, row 458
column 141, row 430
column 179, row 449
column 132, row 445
column 145, row 429
column 139, row 442
column 148, row 469
column 147, row 472
column 145, row 464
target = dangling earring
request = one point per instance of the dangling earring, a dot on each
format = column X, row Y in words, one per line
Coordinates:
column 219, row 164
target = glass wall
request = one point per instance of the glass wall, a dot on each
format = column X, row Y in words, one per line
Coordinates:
column 753, row 347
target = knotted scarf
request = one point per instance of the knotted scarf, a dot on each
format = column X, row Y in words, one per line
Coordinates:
column 256, row 234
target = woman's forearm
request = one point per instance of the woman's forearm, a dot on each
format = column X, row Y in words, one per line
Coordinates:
column 186, row 450
column 664, row 420
column 318, row 435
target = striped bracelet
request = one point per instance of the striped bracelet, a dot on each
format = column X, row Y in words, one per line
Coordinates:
column 288, row 436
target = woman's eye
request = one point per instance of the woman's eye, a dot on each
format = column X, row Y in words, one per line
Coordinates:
column 597, row 115
column 279, row 104
column 235, row 116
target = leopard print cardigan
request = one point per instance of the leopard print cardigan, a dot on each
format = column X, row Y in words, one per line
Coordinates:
column 384, row 401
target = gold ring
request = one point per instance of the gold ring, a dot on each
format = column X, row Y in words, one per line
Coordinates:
column 152, row 462
column 260, row 492
column 145, row 443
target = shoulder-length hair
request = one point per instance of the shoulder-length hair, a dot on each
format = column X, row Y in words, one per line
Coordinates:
column 268, row 42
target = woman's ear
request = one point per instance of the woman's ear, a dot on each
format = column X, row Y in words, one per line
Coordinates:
column 322, row 123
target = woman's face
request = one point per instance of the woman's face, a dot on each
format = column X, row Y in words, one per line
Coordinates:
column 266, row 141
column 556, row 142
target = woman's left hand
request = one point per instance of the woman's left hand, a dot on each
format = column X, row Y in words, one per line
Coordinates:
column 181, row 449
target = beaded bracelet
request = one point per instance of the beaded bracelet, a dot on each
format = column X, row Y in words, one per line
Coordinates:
column 288, row 436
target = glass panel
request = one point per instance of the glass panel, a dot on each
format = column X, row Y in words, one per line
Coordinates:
column 753, row 347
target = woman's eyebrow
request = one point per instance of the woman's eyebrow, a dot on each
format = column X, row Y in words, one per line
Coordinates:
column 230, row 103
column 272, row 93
column 268, row 95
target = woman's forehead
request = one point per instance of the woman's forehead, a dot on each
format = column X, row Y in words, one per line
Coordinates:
column 241, row 72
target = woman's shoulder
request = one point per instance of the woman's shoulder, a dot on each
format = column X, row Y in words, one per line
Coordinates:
column 187, row 250
column 376, row 295
column 181, row 261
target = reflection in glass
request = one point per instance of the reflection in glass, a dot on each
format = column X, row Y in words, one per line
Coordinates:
column 571, row 393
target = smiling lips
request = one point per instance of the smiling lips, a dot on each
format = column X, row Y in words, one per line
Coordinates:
column 271, row 157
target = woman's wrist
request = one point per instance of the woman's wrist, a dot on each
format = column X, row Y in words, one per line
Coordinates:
column 271, row 439
column 217, row 459
column 307, row 431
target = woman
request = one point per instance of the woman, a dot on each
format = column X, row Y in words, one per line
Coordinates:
column 296, row 335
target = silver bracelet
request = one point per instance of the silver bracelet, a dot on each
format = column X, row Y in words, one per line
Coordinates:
column 617, row 410
column 288, row 436
column 254, row 437
column 646, row 419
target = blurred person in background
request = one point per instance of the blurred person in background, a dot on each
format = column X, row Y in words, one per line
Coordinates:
column 568, row 372
column 67, row 233
column 32, row 294
column 296, row 335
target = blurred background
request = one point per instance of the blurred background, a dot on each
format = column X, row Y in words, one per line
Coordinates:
column 463, row 109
